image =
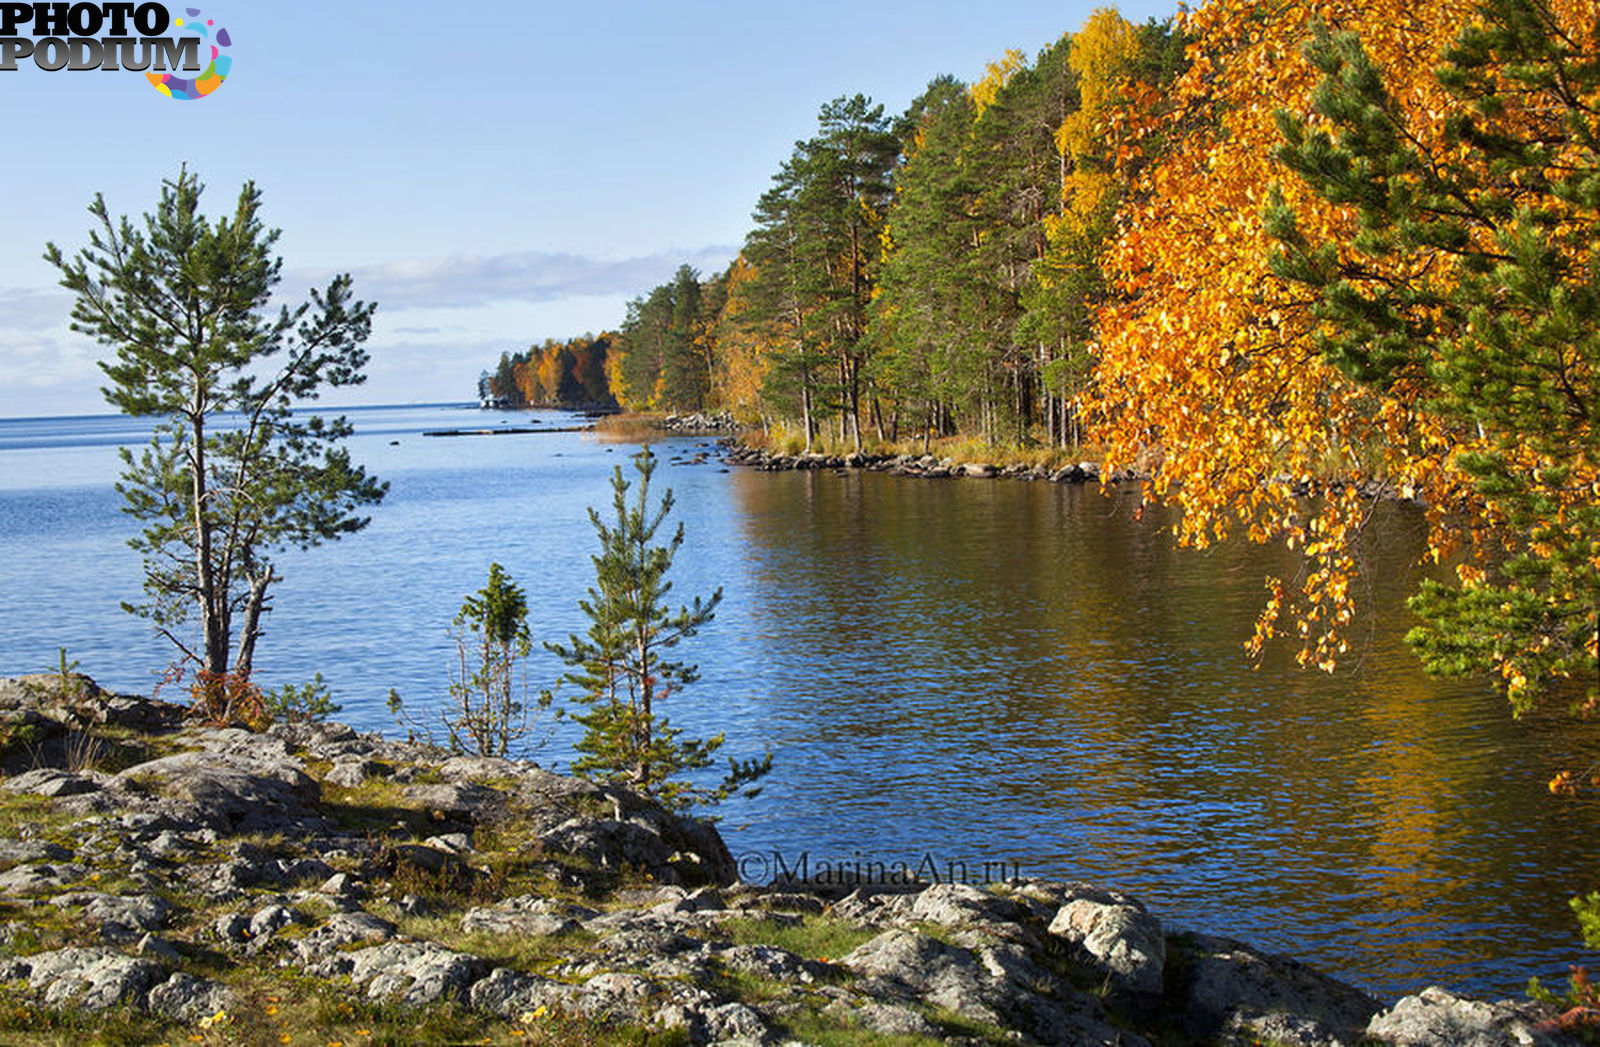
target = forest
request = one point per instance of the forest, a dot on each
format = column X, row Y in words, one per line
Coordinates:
column 556, row 374
column 1258, row 251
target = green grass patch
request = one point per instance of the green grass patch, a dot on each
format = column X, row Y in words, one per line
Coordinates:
column 23, row 1020
column 814, row 937
column 824, row 1030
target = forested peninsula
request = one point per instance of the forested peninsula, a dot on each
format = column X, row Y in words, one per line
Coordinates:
column 1247, row 254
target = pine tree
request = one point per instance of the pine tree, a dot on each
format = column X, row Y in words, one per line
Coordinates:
column 1472, row 289
column 489, row 706
column 814, row 248
column 916, row 321
column 232, row 473
column 622, row 666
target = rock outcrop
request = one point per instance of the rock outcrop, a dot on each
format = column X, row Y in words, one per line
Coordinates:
column 182, row 875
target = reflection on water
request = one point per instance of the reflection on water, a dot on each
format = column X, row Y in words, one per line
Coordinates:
column 974, row 671
column 1030, row 672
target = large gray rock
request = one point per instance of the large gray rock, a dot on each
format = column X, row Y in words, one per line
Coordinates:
column 733, row 1021
column 414, row 973
column 53, row 782
column 230, row 791
column 1230, row 990
column 616, row 996
column 119, row 917
column 91, row 979
column 887, row 1019
column 186, row 998
column 993, row 984
column 343, row 929
column 960, row 904
column 81, row 702
column 32, row 851
column 511, row 994
column 526, row 915
column 1437, row 1018
column 469, row 802
column 1123, row 940
column 670, row 849
column 773, row 964
column 31, row 879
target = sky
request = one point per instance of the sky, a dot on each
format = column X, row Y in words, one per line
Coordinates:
column 492, row 174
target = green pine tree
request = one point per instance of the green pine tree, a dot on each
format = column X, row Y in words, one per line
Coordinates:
column 622, row 663
column 916, row 321
column 814, row 248
column 1473, row 285
column 236, row 469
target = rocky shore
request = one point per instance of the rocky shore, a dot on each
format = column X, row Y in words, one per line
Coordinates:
column 926, row 466
column 162, row 881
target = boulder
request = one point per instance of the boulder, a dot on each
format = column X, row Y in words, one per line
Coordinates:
column 1438, row 1018
column 469, row 803
column 511, row 994
column 1123, row 940
column 654, row 841
column 230, row 792
column 32, row 879
column 32, row 851
column 119, row 917
column 91, row 979
column 187, row 998
column 50, row 781
column 1228, row 989
column 413, row 973
column 987, row 985
column 526, row 915
column 344, row 929
column 960, row 904
column 617, row 996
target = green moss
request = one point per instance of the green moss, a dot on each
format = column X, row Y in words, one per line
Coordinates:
column 814, row 937
column 26, row 816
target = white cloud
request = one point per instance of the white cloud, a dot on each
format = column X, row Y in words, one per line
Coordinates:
column 440, row 322
column 30, row 309
column 461, row 281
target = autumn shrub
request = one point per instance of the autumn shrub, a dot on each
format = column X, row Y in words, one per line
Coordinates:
column 228, row 699
column 1580, row 1003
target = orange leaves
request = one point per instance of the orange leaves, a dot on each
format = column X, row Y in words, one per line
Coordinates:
column 1213, row 355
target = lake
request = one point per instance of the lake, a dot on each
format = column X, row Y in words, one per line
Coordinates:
column 969, row 676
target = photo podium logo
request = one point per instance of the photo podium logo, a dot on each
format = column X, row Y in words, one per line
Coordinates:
column 138, row 37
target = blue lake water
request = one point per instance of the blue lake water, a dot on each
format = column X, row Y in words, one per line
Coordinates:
column 954, row 673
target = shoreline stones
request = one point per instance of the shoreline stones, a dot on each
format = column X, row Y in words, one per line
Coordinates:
column 200, row 864
column 927, row 466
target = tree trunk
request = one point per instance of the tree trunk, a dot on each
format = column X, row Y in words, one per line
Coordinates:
column 250, row 628
column 805, row 402
column 213, row 604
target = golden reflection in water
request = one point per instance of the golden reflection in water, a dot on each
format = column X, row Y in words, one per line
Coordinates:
column 1034, row 670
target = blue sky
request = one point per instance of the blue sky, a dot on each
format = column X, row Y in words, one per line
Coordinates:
column 493, row 173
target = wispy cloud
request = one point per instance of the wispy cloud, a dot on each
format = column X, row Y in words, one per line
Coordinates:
column 453, row 316
column 29, row 309
column 461, row 281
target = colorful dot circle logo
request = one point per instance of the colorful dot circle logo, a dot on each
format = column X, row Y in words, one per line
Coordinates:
column 212, row 36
